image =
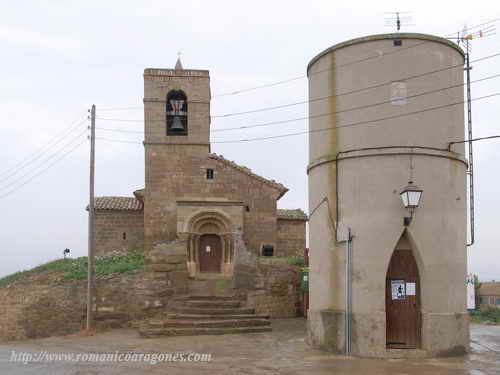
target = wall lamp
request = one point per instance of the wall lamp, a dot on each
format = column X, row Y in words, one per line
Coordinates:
column 410, row 196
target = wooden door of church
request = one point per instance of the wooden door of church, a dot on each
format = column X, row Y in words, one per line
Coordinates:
column 210, row 253
column 403, row 301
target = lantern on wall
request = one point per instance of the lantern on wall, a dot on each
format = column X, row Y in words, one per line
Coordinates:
column 410, row 196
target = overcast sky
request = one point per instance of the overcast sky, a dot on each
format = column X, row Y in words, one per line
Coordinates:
column 60, row 57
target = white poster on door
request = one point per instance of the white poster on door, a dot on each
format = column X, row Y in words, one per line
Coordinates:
column 411, row 289
column 398, row 289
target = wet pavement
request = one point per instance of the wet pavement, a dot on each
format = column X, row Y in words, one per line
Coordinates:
column 282, row 351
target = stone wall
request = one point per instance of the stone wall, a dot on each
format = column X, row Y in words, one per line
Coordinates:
column 43, row 306
column 118, row 231
column 277, row 289
column 291, row 237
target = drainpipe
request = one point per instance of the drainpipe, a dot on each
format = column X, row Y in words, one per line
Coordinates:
column 348, row 293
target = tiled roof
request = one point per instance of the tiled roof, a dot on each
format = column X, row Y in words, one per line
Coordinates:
column 297, row 214
column 117, row 203
column 489, row 289
column 280, row 187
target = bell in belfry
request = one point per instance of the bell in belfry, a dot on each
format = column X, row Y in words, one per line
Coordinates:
column 177, row 124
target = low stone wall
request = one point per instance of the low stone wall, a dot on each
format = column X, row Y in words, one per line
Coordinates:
column 277, row 289
column 43, row 306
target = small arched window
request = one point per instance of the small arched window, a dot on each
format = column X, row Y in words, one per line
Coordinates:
column 177, row 113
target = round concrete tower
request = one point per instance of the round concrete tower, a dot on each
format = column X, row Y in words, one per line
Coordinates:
column 383, row 111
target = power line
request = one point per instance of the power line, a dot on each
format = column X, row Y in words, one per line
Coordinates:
column 451, row 35
column 325, row 97
column 317, row 116
column 41, row 151
column 44, row 161
column 42, row 171
column 332, row 128
column 358, row 123
column 335, row 67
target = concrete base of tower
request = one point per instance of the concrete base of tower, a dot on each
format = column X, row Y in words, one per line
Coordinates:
column 443, row 335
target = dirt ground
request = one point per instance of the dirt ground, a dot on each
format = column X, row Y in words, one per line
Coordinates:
column 282, row 351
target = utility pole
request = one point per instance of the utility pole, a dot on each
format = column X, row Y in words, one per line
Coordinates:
column 90, row 276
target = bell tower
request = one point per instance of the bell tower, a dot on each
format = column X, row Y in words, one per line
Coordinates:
column 177, row 107
column 176, row 143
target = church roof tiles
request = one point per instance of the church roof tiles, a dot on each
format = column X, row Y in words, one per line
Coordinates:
column 297, row 214
column 117, row 203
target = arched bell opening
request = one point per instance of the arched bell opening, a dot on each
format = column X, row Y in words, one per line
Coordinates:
column 403, row 298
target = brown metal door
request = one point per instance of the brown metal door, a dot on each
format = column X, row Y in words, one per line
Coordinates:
column 403, row 301
column 210, row 253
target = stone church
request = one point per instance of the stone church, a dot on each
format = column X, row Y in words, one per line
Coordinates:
column 212, row 204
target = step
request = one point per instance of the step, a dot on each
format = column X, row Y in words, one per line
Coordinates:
column 211, row 298
column 217, row 317
column 177, row 323
column 213, row 311
column 211, row 304
column 155, row 332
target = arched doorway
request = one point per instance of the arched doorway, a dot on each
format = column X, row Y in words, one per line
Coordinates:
column 210, row 253
column 402, row 301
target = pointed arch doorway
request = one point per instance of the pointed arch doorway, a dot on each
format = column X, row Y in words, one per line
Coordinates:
column 402, row 306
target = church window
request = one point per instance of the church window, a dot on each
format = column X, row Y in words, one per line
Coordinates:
column 177, row 113
column 210, row 174
column 124, row 235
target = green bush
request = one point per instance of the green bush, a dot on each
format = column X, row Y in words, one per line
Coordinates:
column 486, row 314
column 106, row 264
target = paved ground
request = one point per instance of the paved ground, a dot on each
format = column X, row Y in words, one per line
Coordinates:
column 282, row 351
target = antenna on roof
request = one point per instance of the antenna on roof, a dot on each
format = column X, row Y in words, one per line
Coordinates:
column 397, row 19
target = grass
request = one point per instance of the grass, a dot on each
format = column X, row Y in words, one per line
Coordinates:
column 486, row 315
column 295, row 260
column 106, row 264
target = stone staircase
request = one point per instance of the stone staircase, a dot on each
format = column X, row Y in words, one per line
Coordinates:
column 207, row 315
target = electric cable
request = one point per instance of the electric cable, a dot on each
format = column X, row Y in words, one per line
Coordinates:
column 367, row 122
column 325, row 97
column 42, row 171
column 15, row 169
column 314, row 116
column 2, row 187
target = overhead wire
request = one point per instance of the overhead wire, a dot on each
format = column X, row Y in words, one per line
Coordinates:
column 315, row 116
column 20, row 178
column 235, row 92
column 42, row 171
column 484, row 58
column 367, row 122
column 16, row 168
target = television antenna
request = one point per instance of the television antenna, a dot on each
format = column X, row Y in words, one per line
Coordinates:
column 465, row 38
column 397, row 19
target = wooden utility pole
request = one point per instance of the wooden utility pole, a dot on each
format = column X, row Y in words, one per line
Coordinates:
column 90, row 276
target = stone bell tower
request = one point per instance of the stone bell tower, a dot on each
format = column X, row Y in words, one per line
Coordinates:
column 176, row 142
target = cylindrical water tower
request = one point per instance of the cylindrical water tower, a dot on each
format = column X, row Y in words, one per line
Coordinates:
column 386, row 282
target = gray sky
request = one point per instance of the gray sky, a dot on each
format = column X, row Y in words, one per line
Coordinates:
column 59, row 57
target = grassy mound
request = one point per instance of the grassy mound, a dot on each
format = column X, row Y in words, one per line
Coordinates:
column 106, row 264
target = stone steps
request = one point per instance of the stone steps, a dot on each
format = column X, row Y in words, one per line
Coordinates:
column 212, row 303
column 155, row 332
column 216, row 317
column 178, row 323
column 207, row 315
column 213, row 311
